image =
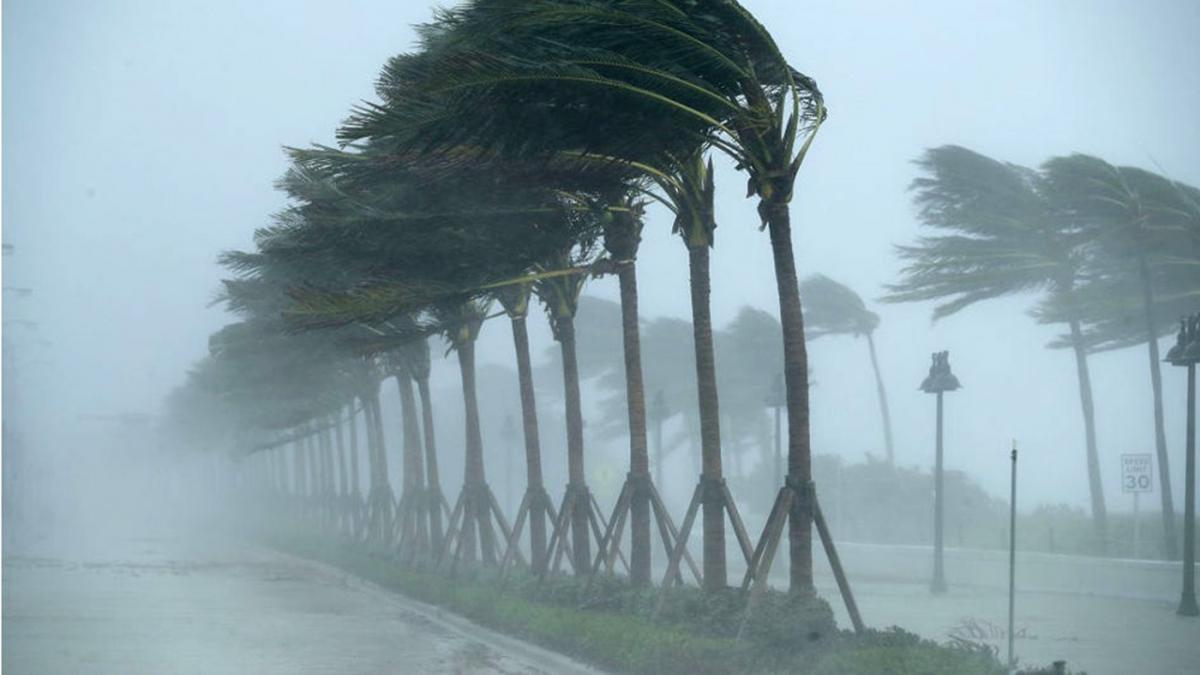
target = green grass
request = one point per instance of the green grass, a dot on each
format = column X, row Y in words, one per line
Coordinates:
column 611, row 627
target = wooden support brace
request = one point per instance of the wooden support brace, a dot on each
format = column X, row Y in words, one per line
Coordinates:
column 514, row 537
column 596, row 518
column 735, row 519
column 611, row 537
column 835, row 562
column 772, row 533
column 680, row 546
column 504, row 531
column 663, row 516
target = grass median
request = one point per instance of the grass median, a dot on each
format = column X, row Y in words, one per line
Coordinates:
column 611, row 627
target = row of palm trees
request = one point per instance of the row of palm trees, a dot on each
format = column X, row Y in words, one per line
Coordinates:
column 1112, row 251
column 512, row 157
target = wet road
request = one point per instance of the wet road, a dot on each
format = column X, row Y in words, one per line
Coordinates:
column 157, row 607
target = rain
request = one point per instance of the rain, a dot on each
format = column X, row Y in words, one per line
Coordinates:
column 600, row 336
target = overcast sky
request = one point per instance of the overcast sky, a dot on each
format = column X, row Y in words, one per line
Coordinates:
column 143, row 137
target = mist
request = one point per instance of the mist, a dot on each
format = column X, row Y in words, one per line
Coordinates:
column 141, row 140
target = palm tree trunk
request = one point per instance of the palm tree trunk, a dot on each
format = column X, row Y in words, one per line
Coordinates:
column 312, row 475
column 533, row 449
column 474, row 479
column 355, row 484
column 883, row 402
column 380, row 446
column 297, row 467
column 795, row 377
column 635, row 397
column 432, row 478
column 326, row 450
column 369, row 437
column 1171, row 548
column 715, row 577
column 414, row 467
column 1095, row 485
column 575, row 475
column 343, row 479
column 622, row 236
column 381, row 492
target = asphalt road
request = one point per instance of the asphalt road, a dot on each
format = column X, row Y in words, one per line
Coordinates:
column 163, row 604
column 1103, row 616
column 158, row 607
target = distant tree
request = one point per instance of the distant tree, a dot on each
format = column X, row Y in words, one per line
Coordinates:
column 999, row 233
column 835, row 309
column 1143, row 269
column 751, row 363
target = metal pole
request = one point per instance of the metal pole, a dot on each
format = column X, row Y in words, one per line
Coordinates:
column 1187, row 600
column 939, row 575
column 1012, row 555
column 1137, row 526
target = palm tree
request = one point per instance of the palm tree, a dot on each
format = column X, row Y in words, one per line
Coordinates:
column 593, row 182
column 711, row 73
column 476, row 504
column 1000, row 233
column 689, row 189
column 419, row 362
column 835, row 309
column 534, row 505
column 413, row 509
column 1145, row 231
column 560, row 296
column 734, row 88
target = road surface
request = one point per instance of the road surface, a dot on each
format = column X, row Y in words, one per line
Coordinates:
column 156, row 605
column 159, row 607
column 1102, row 616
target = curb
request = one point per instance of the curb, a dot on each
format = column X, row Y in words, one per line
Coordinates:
column 549, row 661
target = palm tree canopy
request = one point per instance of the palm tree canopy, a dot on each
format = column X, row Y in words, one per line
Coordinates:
column 998, row 233
column 1131, row 216
column 599, row 77
column 832, row 308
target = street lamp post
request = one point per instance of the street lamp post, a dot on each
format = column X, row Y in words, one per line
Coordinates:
column 1186, row 352
column 939, row 381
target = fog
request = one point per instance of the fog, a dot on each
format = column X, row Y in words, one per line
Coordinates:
column 142, row 138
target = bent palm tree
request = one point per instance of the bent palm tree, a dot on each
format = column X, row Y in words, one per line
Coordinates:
column 707, row 68
column 560, row 296
column 535, row 503
column 1144, row 230
column 834, row 309
column 999, row 234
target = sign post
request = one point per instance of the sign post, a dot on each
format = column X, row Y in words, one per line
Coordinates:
column 1137, row 476
column 1012, row 559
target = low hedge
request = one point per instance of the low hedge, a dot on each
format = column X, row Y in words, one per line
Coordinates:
column 611, row 628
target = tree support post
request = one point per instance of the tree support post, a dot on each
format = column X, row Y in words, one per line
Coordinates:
column 711, row 491
column 474, row 512
column 795, row 497
column 577, row 516
column 535, row 504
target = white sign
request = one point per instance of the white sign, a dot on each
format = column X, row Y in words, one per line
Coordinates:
column 1136, row 473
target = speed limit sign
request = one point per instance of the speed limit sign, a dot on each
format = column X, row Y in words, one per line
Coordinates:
column 1136, row 473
